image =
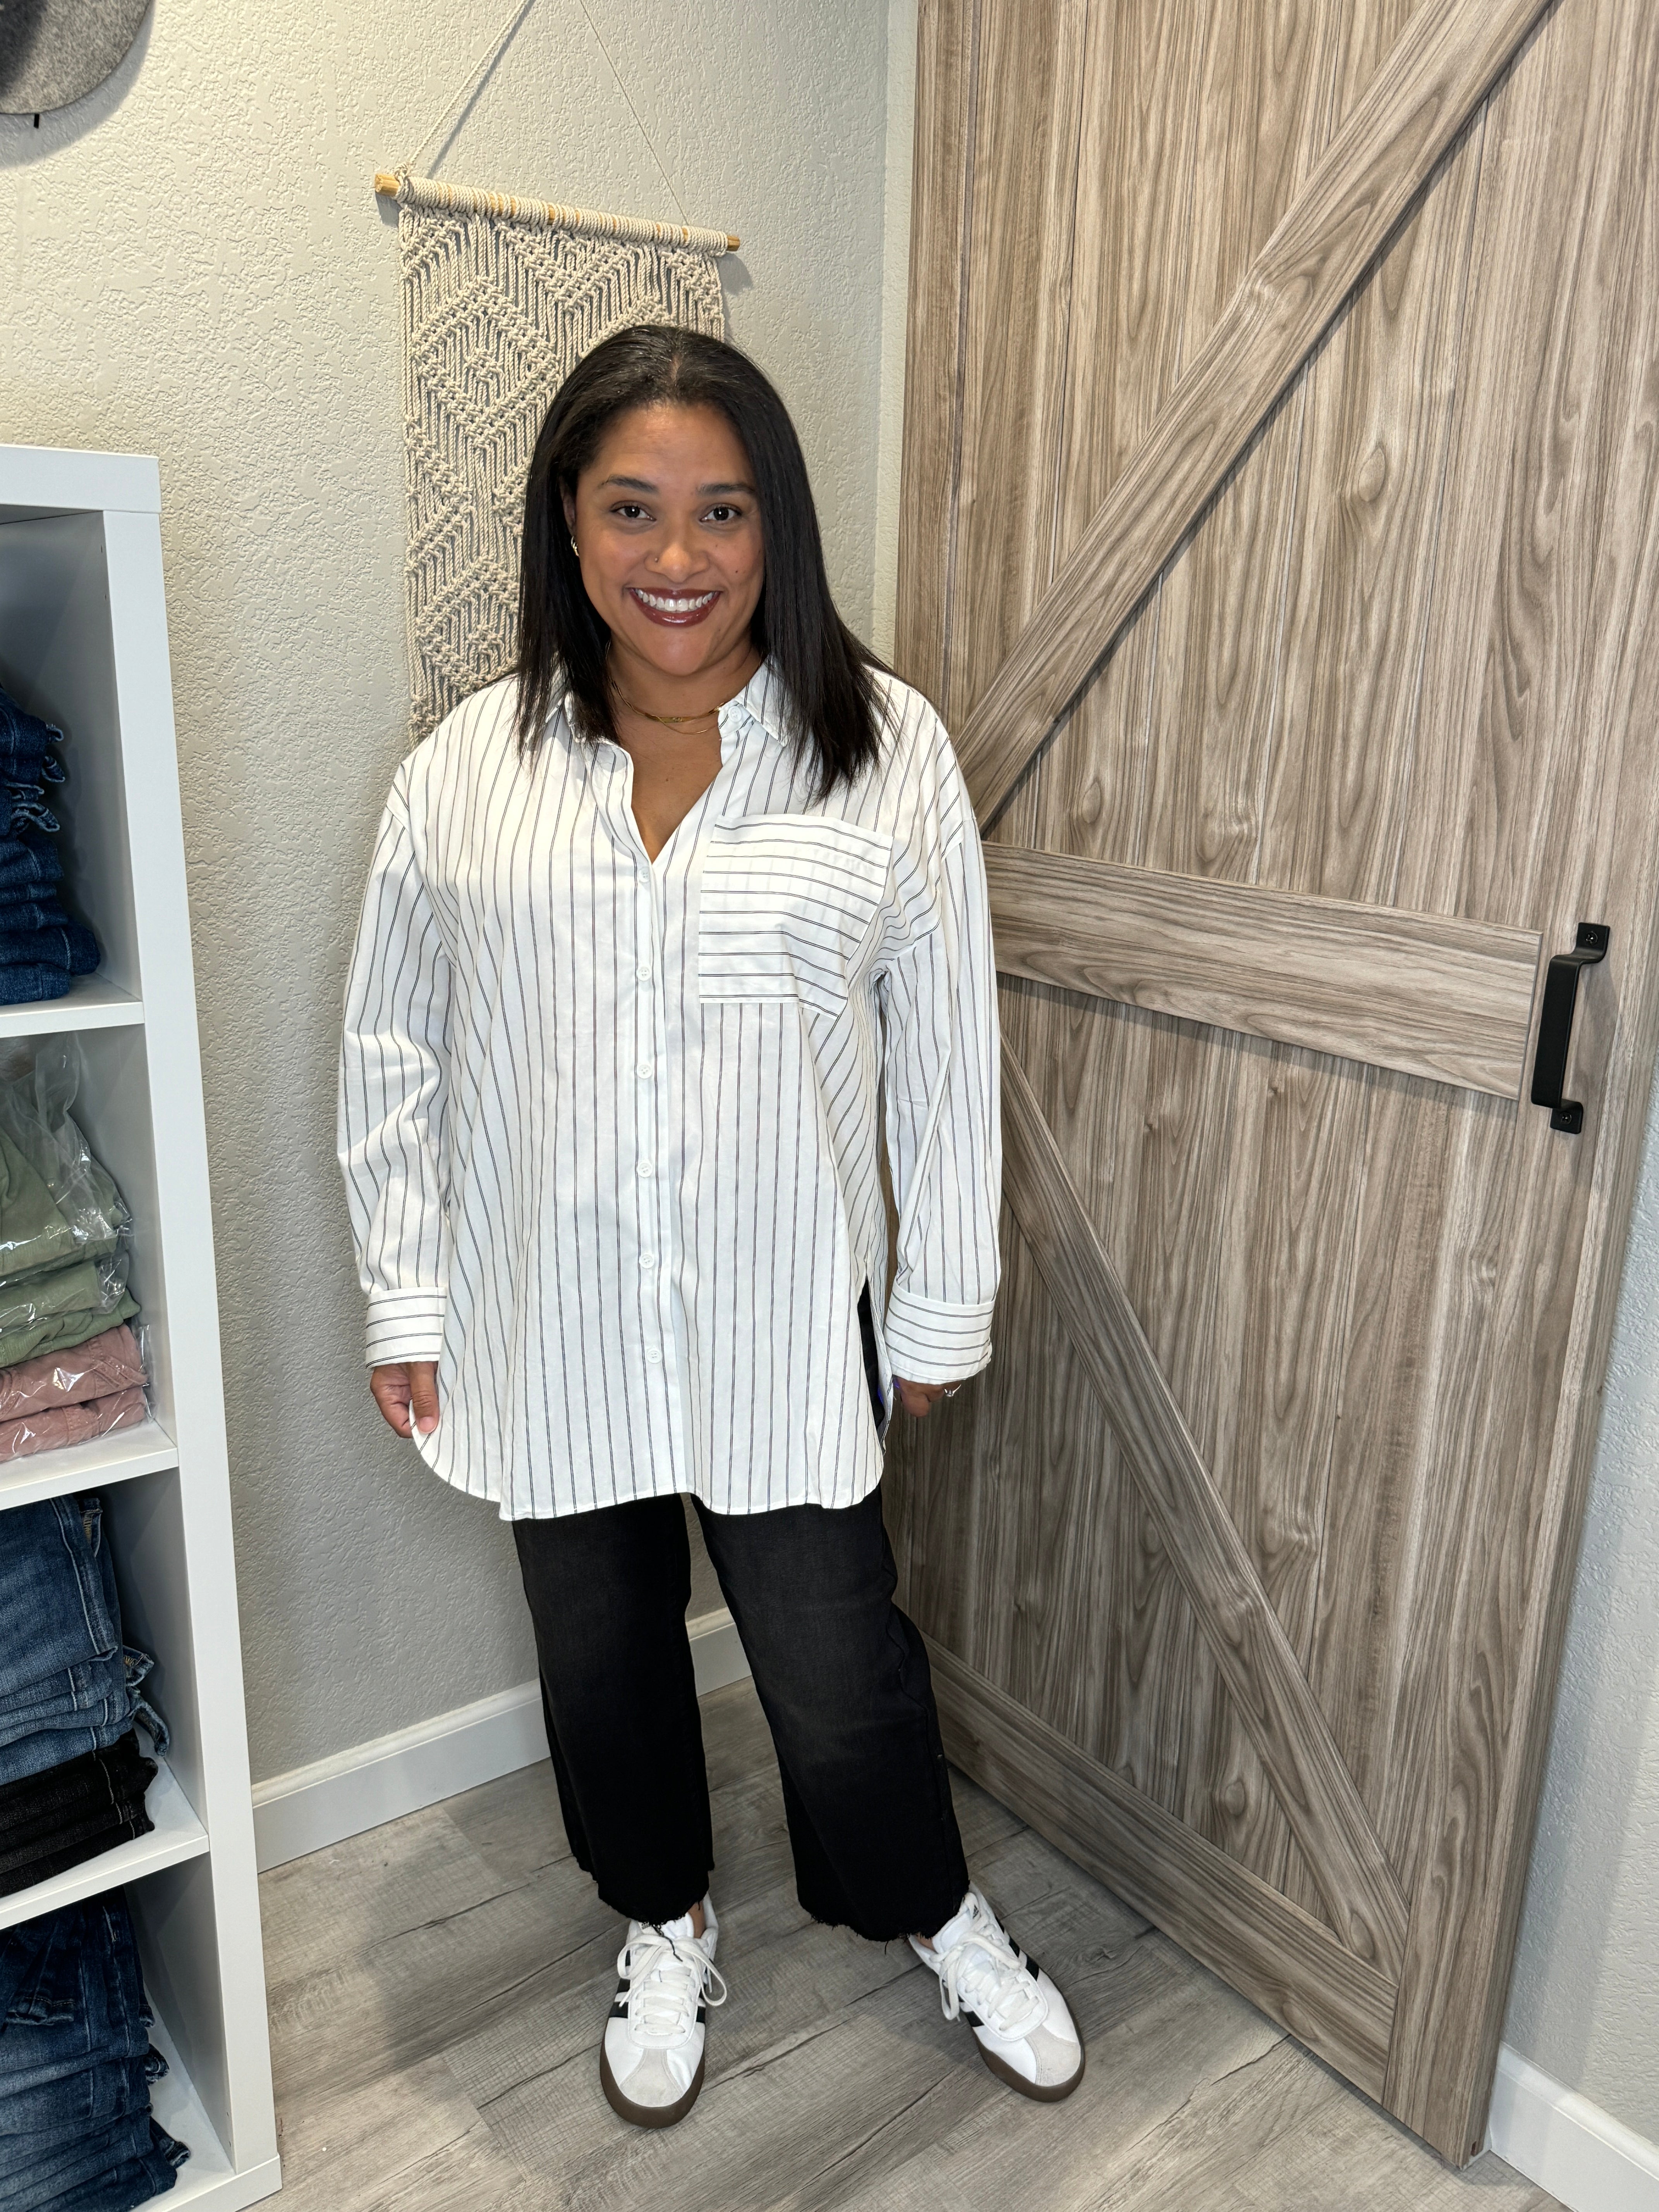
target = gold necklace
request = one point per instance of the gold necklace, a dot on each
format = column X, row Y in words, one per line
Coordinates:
column 668, row 721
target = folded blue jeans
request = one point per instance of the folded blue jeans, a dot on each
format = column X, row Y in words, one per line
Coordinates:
column 23, row 737
column 33, row 910
column 69, row 946
column 29, row 865
column 46, row 2168
column 28, row 983
column 56, row 1594
column 111, row 2089
column 71, row 1995
column 96, row 1713
column 74, row 2046
column 94, row 1693
column 67, row 1684
column 131, row 2184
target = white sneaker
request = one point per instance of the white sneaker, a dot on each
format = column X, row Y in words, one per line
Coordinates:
column 1020, row 2021
column 651, row 2060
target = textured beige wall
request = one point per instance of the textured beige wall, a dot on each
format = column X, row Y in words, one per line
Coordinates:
column 192, row 264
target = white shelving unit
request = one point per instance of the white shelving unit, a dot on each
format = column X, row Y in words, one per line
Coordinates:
column 83, row 642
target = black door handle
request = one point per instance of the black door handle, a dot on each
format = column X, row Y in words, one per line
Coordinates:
column 1549, row 1068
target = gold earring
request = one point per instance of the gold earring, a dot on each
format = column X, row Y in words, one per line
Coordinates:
column 575, row 548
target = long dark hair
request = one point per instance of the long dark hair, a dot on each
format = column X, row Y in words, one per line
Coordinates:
column 828, row 674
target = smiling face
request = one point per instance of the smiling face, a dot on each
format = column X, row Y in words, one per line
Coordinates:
column 669, row 528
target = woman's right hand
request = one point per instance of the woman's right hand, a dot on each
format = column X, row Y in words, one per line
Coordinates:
column 406, row 1392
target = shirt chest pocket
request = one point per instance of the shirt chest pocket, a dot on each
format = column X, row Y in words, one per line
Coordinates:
column 789, row 904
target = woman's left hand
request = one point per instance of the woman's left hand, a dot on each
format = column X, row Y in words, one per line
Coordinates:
column 919, row 1398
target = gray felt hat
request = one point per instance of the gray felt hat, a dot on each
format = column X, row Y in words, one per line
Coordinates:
column 53, row 52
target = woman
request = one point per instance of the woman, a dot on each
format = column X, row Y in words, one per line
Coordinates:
column 651, row 926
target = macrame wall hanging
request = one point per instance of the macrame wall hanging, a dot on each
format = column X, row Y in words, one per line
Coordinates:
column 501, row 297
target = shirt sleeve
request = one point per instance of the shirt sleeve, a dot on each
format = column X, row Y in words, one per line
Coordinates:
column 394, row 1093
column 941, row 1077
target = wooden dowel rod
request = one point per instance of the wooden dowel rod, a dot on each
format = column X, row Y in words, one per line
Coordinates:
column 386, row 184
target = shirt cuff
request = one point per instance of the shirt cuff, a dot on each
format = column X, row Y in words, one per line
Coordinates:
column 929, row 1341
column 404, row 1325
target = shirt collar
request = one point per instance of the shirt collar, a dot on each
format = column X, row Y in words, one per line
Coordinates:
column 762, row 701
column 765, row 703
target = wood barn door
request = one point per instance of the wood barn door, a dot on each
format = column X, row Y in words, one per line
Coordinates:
column 1280, row 541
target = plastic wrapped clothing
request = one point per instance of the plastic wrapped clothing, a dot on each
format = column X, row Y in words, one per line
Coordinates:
column 35, row 1232
column 60, row 1308
column 110, row 1362
column 72, row 1424
column 62, row 1221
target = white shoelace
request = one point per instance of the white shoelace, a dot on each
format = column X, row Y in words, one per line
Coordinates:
column 665, row 1986
column 983, row 1968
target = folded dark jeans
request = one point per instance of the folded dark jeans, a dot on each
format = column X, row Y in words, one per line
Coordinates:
column 110, row 2089
column 44, row 2170
column 23, row 737
column 67, row 944
column 92, row 1782
column 91, row 1844
column 29, row 864
column 23, row 807
column 50, row 1750
column 71, row 1995
column 57, row 1593
column 28, row 983
column 39, row 910
column 132, row 2183
column 107, row 1811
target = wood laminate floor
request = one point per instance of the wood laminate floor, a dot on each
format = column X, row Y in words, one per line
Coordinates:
column 438, row 1987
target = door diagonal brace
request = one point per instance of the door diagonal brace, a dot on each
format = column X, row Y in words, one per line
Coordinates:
column 1233, row 1610
column 1434, row 78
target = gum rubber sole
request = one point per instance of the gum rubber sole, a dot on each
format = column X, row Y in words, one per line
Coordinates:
column 1005, row 2072
column 646, row 2115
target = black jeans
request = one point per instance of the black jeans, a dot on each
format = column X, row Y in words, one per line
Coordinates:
column 842, row 1677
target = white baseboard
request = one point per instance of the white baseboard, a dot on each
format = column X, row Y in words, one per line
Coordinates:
column 1559, row 2140
column 372, row 1783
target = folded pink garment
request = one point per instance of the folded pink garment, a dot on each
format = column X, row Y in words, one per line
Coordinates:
column 105, row 1363
column 72, row 1424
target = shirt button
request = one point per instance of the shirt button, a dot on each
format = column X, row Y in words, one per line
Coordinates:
column 644, row 975
column 653, row 1357
column 646, row 1070
column 646, row 1168
column 647, row 1261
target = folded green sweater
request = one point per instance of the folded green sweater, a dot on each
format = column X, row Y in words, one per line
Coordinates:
column 63, row 1331
column 34, row 1233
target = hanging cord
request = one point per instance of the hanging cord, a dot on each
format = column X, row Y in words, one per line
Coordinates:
column 461, row 107
column 397, row 184
column 649, row 147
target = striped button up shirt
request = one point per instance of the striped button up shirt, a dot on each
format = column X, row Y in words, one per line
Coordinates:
column 611, row 1129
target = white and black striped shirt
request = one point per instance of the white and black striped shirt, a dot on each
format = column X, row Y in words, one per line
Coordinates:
column 609, row 1130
